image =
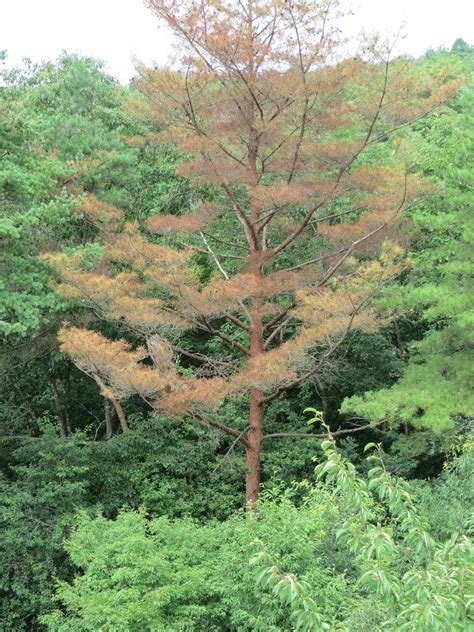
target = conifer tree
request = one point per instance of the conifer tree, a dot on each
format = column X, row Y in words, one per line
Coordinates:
column 270, row 114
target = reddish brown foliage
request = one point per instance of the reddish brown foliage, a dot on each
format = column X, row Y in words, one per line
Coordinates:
column 265, row 110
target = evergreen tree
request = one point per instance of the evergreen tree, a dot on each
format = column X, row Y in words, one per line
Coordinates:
column 288, row 134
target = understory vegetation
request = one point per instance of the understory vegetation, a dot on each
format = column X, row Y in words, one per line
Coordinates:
column 236, row 335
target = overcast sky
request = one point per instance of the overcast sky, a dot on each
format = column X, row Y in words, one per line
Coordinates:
column 116, row 30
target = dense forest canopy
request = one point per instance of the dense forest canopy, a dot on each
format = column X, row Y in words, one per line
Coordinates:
column 236, row 333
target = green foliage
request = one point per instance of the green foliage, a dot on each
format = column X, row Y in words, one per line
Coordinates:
column 436, row 384
column 435, row 591
column 298, row 532
column 356, row 545
column 448, row 500
column 200, row 577
column 79, row 107
column 139, row 576
column 52, row 116
column 37, row 499
column 358, row 553
column 172, row 468
column 422, row 584
column 27, row 215
column 290, row 590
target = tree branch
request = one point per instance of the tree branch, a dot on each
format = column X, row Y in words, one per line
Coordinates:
column 225, row 243
column 279, row 316
column 316, row 260
column 300, row 435
column 228, row 339
column 214, row 257
column 238, row 434
column 234, row 443
column 201, row 357
column 325, row 356
column 276, row 331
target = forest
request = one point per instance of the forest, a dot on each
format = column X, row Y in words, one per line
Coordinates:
column 236, row 332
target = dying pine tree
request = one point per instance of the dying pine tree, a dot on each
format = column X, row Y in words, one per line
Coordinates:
column 305, row 230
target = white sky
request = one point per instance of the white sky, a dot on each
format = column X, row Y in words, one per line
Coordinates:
column 115, row 30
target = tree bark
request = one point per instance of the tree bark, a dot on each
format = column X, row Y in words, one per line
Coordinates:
column 115, row 403
column 253, row 451
column 256, row 409
column 108, row 412
column 257, row 341
column 62, row 421
column 120, row 414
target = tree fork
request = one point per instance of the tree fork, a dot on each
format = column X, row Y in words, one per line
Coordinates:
column 115, row 403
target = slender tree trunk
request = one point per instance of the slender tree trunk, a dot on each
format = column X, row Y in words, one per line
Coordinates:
column 115, row 403
column 254, row 437
column 85, row 232
column 324, row 400
column 120, row 414
column 62, row 422
column 256, row 410
column 67, row 388
column 68, row 423
column 108, row 412
column 398, row 340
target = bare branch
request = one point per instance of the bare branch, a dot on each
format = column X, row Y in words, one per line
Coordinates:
column 201, row 357
column 225, row 243
column 276, row 331
column 316, row 260
column 213, row 256
column 307, row 435
column 233, row 343
column 325, row 356
column 238, row 434
column 234, row 443
column 279, row 316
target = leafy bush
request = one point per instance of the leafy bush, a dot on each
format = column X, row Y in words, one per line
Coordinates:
column 448, row 500
column 170, row 467
column 355, row 550
column 422, row 584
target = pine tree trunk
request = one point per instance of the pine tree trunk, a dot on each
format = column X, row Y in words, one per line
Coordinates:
column 256, row 409
column 254, row 437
